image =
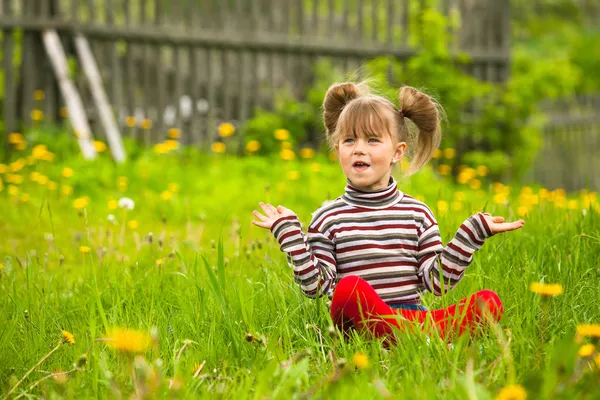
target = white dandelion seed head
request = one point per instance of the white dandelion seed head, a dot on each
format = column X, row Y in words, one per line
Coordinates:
column 126, row 203
column 112, row 218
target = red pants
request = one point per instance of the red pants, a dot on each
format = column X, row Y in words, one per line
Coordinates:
column 356, row 305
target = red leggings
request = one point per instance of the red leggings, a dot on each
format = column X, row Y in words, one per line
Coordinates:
column 356, row 305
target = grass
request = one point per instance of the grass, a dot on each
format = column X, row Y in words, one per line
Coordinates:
column 208, row 289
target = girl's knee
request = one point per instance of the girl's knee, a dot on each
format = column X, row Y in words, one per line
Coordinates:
column 488, row 300
column 348, row 285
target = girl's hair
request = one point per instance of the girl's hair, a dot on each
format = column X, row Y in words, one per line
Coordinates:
column 349, row 109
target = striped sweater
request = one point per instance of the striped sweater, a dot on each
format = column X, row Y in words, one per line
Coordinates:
column 386, row 237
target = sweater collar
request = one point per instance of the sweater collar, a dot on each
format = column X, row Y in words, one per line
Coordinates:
column 381, row 198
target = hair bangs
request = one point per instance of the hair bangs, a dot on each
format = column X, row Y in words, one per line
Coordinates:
column 366, row 118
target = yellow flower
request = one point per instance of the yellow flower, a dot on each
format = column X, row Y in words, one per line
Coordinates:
column 43, row 180
column 449, row 153
column 113, row 204
column 122, row 183
column 160, row 261
column 52, row 185
column 293, row 175
column 586, row 350
column 442, row 206
column 81, row 202
column 67, row 172
column 218, row 147
column 128, row 340
column 84, row 249
column 68, row 337
column 286, row 145
column 572, row 204
column 15, row 138
column 171, row 144
column 592, row 330
column 174, row 133
column 475, row 184
column 522, row 211
column 146, row 123
column 287, row 154
column 3, row 168
column 13, row 190
column 444, row 169
column 37, row 115
column 307, row 152
column 173, row 187
column 130, row 121
column 316, row 167
column 253, row 146
column 161, row 148
column 482, row 170
column 457, row 206
column 99, row 146
column 545, row 289
column 133, row 224
column 437, row 154
column 226, row 129
column 39, row 95
column 512, row 392
column 21, row 146
column 166, row 195
column 360, row 360
column 282, row 134
column 39, row 151
column 2, row 266
column 25, row 197
column 66, row 190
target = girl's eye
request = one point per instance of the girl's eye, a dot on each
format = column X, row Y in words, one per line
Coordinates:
column 348, row 140
column 373, row 139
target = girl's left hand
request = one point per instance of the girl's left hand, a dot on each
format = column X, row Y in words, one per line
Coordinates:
column 497, row 224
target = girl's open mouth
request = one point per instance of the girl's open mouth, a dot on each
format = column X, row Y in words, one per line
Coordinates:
column 360, row 166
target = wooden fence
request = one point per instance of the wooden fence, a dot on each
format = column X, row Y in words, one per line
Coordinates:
column 569, row 157
column 191, row 64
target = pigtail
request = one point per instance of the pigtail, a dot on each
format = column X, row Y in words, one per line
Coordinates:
column 336, row 98
column 426, row 114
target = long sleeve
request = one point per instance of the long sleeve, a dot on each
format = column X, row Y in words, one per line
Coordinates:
column 312, row 256
column 441, row 268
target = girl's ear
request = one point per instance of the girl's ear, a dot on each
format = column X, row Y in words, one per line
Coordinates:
column 400, row 150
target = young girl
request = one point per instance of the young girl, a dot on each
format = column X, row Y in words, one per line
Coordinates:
column 374, row 249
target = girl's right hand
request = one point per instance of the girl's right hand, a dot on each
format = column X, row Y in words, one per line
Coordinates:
column 272, row 215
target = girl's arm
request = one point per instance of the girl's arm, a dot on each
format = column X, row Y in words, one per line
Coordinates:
column 312, row 256
column 441, row 268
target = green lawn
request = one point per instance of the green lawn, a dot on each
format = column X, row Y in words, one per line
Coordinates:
column 209, row 287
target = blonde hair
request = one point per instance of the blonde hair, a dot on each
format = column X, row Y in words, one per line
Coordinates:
column 349, row 109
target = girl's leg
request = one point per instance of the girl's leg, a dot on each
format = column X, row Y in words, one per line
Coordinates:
column 355, row 304
column 469, row 314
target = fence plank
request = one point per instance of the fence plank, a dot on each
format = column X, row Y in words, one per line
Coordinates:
column 9, row 85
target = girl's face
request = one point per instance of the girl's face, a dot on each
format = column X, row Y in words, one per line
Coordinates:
column 367, row 161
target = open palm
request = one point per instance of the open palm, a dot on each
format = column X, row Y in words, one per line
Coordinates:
column 497, row 224
column 272, row 215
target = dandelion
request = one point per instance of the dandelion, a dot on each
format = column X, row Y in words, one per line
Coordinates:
column 360, row 360
column 281, row 134
column 166, row 195
column 437, row 154
column 286, row 145
column 2, row 266
column 253, row 146
column 13, row 190
column 68, row 337
column 122, row 183
column 449, row 153
column 37, row 115
column 128, row 340
column 545, row 289
column 66, row 190
column 174, row 133
column 21, row 146
column 15, row 138
column 592, row 330
column 475, row 184
column 512, row 392
column 133, row 224
column 226, row 129
column 81, row 202
column 130, row 121
column 39, row 95
column 52, row 185
column 99, row 146
column 126, row 203
column 171, row 144
column 307, row 152
column 522, row 211
column 84, row 249
column 586, row 350
column 444, row 169
column 287, row 154
column 161, row 148
column 146, row 124
column 482, row 170
column 67, row 172
column 442, row 206
column 160, row 261
column 113, row 204
column 218, row 147
column 293, row 175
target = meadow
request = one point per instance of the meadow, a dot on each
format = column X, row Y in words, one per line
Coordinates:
column 147, row 280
